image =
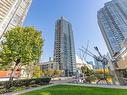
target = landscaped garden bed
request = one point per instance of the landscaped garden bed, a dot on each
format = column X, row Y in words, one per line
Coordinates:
column 77, row 90
column 18, row 85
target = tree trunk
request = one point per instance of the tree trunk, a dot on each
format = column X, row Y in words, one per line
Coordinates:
column 8, row 85
column 11, row 75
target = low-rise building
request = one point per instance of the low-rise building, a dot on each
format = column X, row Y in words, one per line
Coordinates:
column 48, row 65
column 121, row 63
column 5, row 75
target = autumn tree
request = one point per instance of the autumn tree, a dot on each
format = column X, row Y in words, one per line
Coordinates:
column 57, row 73
column 86, row 70
column 89, row 74
column 48, row 73
column 37, row 73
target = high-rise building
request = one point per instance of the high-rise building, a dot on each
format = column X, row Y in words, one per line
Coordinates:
column 112, row 19
column 12, row 13
column 64, row 50
column 98, row 64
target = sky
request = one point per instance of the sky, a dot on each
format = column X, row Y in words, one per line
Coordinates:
column 82, row 14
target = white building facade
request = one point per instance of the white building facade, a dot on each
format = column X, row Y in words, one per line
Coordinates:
column 12, row 13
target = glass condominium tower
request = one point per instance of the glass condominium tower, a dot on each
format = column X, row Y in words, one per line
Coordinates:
column 64, row 50
column 12, row 13
column 112, row 20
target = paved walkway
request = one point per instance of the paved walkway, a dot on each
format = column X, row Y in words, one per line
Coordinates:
column 56, row 82
column 65, row 82
column 28, row 90
column 94, row 85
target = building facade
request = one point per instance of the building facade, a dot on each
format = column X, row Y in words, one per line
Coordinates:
column 98, row 64
column 48, row 65
column 112, row 20
column 64, row 50
column 121, row 65
column 12, row 13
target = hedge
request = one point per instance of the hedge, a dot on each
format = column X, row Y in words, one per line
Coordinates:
column 18, row 83
column 23, row 82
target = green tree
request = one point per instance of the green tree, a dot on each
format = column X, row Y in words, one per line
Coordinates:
column 21, row 46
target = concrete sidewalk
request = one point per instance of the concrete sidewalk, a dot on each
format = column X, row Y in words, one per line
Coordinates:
column 53, row 83
column 28, row 90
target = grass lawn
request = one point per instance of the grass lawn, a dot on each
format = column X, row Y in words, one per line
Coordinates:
column 77, row 90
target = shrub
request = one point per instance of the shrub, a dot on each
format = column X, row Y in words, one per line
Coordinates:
column 27, row 82
column 22, row 83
